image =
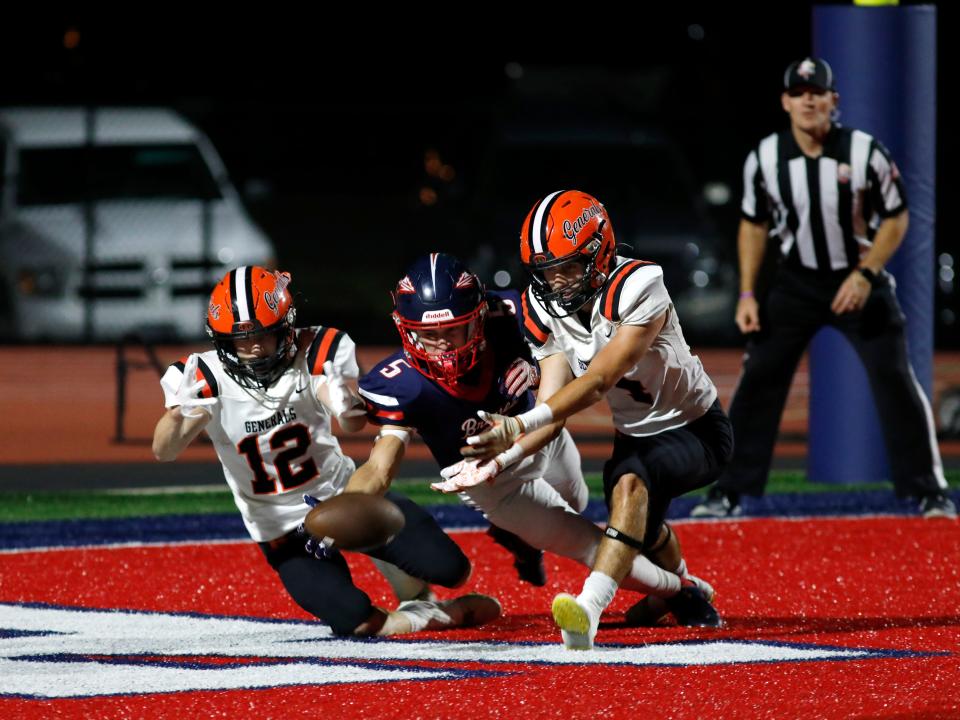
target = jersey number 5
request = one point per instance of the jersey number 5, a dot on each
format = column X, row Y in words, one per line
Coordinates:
column 263, row 484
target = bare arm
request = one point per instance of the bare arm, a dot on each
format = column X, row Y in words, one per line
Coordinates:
column 376, row 474
column 554, row 374
column 751, row 247
column 174, row 432
column 855, row 290
column 629, row 344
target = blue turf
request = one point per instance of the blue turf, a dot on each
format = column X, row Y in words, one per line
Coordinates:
column 180, row 528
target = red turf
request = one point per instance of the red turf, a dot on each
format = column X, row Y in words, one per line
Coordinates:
column 877, row 583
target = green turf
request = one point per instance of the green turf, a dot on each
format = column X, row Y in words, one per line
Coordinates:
column 16, row 507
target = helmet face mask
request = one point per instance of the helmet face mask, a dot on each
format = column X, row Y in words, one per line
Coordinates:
column 440, row 311
column 252, row 306
column 567, row 227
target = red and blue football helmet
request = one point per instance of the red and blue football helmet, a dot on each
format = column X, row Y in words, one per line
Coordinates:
column 439, row 292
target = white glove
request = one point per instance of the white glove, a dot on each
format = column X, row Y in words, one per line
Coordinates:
column 466, row 474
column 343, row 401
column 497, row 439
column 520, row 377
column 188, row 394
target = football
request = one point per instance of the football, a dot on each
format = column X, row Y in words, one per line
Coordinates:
column 355, row 521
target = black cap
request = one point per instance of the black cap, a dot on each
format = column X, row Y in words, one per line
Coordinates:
column 810, row 71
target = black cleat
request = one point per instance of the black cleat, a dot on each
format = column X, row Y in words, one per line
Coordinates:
column 528, row 560
column 938, row 505
column 691, row 608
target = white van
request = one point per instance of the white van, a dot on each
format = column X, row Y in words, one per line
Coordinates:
column 114, row 221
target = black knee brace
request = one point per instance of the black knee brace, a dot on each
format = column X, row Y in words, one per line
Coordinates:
column 614, row 534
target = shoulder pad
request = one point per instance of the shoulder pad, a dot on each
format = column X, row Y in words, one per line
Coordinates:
column 389, row 390
column 623, row 290
column 535, row 328
column 204, row 372
column 323, row 343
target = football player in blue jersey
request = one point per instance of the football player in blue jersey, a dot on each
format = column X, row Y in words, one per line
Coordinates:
column 463, row 352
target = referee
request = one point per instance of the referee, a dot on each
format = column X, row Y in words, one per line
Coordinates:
column 833, row 200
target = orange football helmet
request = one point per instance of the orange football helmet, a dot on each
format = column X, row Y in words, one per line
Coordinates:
column 252, row 302
column 568, row 226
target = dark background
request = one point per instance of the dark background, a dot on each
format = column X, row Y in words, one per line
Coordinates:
column 327, row 119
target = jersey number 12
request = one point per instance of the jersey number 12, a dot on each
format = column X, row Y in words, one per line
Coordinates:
column 263, row 484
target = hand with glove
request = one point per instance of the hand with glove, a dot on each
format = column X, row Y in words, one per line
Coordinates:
column 520, row 377
column 495, row 440
column 342, row 400
column 192, row 403
column 470, row 473
column 466, row 474
column 321, row 549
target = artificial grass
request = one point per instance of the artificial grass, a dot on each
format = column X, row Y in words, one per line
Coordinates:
column 67, row 505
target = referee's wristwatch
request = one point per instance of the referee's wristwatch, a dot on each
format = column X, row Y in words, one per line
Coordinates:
column 869, row 274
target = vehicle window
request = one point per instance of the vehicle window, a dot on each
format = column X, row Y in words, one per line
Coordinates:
column 52, row 176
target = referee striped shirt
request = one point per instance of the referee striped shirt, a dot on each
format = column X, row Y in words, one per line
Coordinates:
column 825, row 210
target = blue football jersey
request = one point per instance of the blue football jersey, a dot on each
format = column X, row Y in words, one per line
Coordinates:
column 397, row 394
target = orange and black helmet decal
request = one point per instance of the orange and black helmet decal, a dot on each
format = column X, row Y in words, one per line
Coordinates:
column 249, row 299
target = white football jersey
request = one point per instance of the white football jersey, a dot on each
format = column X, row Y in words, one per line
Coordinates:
column 668, row 388
column 276, row 444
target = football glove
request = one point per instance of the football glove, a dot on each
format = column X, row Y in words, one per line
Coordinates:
column 344, row 402
column 466, row 474
column 495, row 440
column 520, row 377
column 188, row 394
column 320, row 549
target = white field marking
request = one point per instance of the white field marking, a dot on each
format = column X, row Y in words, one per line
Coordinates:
column 37, row 645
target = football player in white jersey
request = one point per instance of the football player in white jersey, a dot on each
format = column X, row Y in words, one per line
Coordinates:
column 604, row 326
column 265, row 395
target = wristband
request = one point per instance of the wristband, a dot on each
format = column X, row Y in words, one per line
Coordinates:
column 403, row 435
column 535, row 419
column 509, row 456
column 869, row 274
column 746, row 294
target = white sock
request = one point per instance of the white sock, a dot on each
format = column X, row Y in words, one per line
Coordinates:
column 647, row 578
column 598, row 592
column 682, row 569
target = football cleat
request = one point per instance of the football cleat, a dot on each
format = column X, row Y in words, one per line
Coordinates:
column 577, row 627
column 717, row 505
column 938, row 506
column 471, row 610
column 528, row 560
column 652, row 611
column 691, row 608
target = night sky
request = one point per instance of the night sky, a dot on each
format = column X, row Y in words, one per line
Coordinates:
column 326, row 124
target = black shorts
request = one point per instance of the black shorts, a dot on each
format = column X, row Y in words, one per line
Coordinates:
column 325, row 589
column 671, row 463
